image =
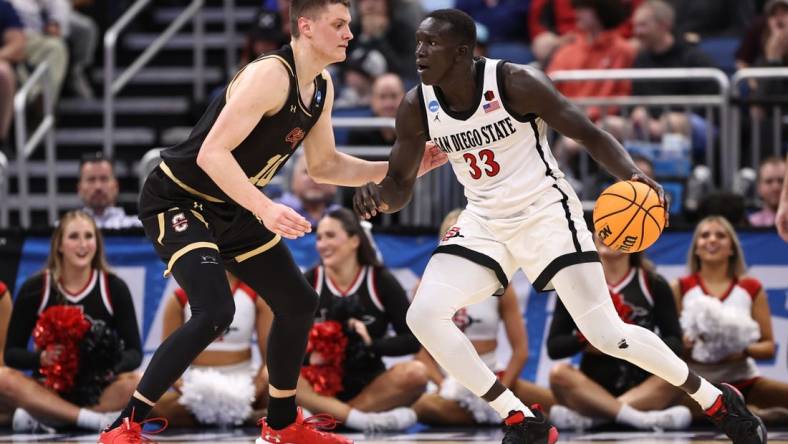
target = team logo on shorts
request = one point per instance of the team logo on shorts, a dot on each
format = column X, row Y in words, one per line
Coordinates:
column 180, row 223
column 452, row 233
column 294, row 137
column 462, row 319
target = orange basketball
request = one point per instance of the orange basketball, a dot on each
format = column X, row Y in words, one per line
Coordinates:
column 628, row 216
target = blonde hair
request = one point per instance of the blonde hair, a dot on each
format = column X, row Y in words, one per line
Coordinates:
column 55, row 259
column 449, row 220
column 736, row 264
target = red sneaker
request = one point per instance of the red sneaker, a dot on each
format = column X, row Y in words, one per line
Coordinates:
column 302, row 431
column 129, row 432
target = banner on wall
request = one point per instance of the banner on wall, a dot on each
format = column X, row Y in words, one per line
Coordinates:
column 134, row 260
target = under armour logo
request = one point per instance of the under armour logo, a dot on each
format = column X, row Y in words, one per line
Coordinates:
column 197, row 206
column 622, row 344
column 292, row 108
column 268, row 437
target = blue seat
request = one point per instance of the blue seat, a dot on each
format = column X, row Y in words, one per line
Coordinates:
column 512, row 51
column 721, row 50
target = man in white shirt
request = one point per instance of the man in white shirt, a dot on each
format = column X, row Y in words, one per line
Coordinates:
column 98, row 190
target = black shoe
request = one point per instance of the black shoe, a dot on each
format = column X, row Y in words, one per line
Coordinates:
column 521, row 429
column 730, row 414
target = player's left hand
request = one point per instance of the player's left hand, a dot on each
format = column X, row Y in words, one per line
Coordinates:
column 663, row 198
column 433, row 158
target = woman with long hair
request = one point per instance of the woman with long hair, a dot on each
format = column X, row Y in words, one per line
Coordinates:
column 76, row 275
column 453, row 404
column 365, row 299
column 718, row 288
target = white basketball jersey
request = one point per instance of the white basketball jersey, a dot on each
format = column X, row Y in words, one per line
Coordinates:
column 500, row 157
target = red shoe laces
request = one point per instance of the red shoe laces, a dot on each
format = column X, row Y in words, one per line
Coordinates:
column 135, row 429
column 322, row 421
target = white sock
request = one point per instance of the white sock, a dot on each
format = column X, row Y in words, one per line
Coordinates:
column 633, row 417
column 706, row 394
column 507, row 402
column 88, row 419
column 356, row 419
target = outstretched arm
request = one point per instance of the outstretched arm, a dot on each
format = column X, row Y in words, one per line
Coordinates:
column 395, row 190
column 529, row 91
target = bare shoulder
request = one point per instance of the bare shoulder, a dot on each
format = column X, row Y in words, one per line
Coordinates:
column 266, row 76
column 410, row 115
column 524, row 79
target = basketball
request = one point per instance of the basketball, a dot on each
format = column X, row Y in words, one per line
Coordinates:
column 628, row 216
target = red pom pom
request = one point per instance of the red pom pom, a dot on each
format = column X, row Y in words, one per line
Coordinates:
column 329, row 341
column 63, row 326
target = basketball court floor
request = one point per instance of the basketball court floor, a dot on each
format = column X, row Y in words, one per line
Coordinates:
column 431, row 436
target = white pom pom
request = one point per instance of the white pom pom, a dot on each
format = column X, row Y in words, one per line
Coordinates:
column 451, row 389
column 718, row 331
column 217, row 398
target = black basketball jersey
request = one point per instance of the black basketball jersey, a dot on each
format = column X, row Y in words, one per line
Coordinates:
column 267, row 147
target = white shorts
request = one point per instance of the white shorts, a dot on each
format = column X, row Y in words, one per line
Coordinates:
column 546, row 237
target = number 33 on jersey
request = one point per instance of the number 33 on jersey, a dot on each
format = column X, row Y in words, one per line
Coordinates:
column 501, row 157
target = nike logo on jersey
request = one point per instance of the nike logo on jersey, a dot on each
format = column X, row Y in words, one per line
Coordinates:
column 476, row 138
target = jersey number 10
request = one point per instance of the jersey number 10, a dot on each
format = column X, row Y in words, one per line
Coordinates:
column 485, row 164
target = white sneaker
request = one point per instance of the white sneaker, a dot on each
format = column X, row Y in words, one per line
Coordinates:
column 391, row 420
column 565, row 418
column 23, row 422
column 673, row 418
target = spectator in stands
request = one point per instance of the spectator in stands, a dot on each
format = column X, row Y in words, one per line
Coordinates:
column 598, row 46
column 606, row 389
column 771, row 174
column 782, row 212
column 505, row 19
column 725, row 350
column 750, row 51
column 82, row 39
column 377, row 30
column 75, row 275
column 358, row 73
column 12, row 51
column 229, row 355
column 266, row 35
column 310, row 199
column 387, row 92
column 46, row 24
column 452, row 404
column 366, row 300
column 552, row 24
column 98, row 190
column 700, row 19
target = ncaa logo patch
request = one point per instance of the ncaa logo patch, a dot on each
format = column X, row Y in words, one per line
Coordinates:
column 433, row 106
column 179, row 223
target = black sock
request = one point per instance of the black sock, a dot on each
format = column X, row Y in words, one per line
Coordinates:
column 136, row 410
column 281, row 412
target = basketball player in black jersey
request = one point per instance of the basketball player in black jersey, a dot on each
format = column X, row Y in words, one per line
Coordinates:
column 204, row 211
column 547, row 238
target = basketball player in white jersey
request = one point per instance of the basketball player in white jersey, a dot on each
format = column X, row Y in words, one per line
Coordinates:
column 491, row 118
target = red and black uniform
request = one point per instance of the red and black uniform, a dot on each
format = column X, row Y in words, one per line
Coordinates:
column 642, row 298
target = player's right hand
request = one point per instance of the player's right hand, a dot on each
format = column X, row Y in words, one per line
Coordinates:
column 284, row 221
column 367, row 201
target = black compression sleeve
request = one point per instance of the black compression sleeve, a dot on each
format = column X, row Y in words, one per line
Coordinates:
column 126, row 324
column 665, row 314
column 23, row 318
column 563, row 340
column 395, row 302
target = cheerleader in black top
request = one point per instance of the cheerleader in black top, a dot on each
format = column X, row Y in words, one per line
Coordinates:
column 358, row 292
column 76, row 274
column 604, row 388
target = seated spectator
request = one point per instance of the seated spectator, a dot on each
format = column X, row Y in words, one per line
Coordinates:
column 387, row 93
column 717, row 287
column 266, row 35
column 82, row 39
column 598, row 46
column 452, row 403
column 230, row 355
column 770, row 184
column 12, row 51
column 552, row 24
column 76, row 275
column 46, row 24
column 98, row 190
column 358, row 72
column 378, row 30
column 310, row 199
column 699, row 19
column 363, row 298
column 504, row 18
column 605, row 389
column 750, row 50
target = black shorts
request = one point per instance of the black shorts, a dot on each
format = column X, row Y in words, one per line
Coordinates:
column 178, row 221
column 358, row 377
column 615, row 375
